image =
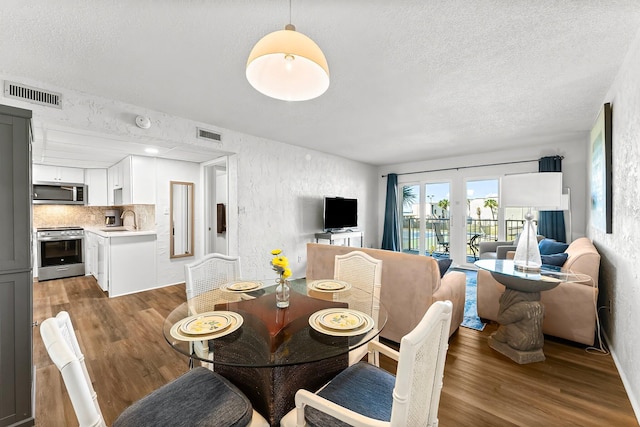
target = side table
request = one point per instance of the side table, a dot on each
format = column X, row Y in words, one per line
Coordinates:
column 519, row 336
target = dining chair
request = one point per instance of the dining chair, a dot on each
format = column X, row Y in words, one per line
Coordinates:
column 363, row 272
column 207, row 274
column 366, row 395
column 199, row 397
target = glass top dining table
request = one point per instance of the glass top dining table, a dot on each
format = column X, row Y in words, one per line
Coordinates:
column 264, row 336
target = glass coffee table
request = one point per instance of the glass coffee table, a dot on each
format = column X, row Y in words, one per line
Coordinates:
column 519, row 336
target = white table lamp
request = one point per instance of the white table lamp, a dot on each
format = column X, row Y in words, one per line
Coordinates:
column 530, row 190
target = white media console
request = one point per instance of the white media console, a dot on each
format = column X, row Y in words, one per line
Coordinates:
column 341, row 235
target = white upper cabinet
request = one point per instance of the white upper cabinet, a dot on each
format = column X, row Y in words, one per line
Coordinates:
column 133, row 181
column 47, row 173
column 96, row 181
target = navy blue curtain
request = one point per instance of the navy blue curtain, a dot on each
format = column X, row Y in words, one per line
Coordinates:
column 551, row 223
column 391, row 232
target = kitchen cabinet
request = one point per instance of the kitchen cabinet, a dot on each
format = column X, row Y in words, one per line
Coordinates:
column 48, row 173
column 16, row 276
column 132, row 181
column 96, row 181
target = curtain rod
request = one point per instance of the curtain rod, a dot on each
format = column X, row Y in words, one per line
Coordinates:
column 474, row 166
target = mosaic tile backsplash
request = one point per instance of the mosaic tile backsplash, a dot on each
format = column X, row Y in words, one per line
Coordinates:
column 91, row 216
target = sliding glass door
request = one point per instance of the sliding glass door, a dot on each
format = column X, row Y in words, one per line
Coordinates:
column 426, row 211
column 483, row 211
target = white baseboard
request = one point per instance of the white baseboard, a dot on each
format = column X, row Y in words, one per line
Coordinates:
column 625, row 382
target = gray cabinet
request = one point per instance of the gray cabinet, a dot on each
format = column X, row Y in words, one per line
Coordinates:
column 16, row 279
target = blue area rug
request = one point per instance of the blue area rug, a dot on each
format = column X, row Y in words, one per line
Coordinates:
column 471, row 319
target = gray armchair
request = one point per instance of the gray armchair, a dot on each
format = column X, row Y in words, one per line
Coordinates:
column 498, row 250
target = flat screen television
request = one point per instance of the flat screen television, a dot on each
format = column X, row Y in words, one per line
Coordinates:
column 340, row 213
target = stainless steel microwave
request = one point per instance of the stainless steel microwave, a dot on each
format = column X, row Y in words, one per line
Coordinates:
column 56, row 193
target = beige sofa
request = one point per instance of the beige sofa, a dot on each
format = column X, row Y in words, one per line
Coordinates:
column 410, row 284
column 569, row 309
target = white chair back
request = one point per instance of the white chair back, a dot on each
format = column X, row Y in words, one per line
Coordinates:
column 423, row 351
column 62, row 345
column 363, row 272
column 207, row 274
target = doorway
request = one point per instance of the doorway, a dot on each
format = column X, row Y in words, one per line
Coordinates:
column 216, row 201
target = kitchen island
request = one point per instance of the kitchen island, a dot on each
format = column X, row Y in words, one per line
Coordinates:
column 122, row 260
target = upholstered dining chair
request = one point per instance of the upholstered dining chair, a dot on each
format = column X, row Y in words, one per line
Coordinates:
column 207, row 274
column 199, row 397
column 364, row 272
column 365, row 395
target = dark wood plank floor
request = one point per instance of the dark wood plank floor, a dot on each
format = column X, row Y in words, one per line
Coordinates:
column 127, row 357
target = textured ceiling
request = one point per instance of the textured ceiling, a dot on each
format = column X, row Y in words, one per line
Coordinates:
column 410, row 80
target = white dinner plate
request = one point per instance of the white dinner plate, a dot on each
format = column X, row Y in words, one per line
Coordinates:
column 203, row 324
column 177, row 333
column 329, row 286
column 341, row 319
column 242, row 286
column 363, row 329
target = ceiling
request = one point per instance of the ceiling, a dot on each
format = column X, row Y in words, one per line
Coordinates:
column 410, row 80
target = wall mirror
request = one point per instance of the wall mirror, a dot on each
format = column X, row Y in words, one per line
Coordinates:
column 181, row 219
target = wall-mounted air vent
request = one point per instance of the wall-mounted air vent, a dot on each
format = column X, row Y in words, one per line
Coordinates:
column 32, row 94
column 210, row 135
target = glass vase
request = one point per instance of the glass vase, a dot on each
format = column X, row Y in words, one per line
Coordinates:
column 282, row 294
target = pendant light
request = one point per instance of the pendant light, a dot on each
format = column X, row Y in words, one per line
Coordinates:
column 288, row 65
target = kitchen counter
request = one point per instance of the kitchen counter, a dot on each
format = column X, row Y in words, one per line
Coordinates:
column 120, row 232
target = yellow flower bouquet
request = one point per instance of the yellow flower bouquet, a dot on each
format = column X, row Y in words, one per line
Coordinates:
column 280, row 265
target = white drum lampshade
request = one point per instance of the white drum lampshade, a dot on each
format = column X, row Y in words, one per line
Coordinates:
column 530, row 190
column 288, row 65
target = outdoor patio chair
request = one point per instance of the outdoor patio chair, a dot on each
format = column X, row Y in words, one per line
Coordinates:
column 444, row 243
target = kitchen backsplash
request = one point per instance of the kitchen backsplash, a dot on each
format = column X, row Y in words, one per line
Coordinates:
column 91, row 216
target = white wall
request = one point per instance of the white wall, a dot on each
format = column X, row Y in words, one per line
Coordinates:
column 280, row 192
column 170, row 271
column 276, row 190
column 573, row 167
column 619, row 274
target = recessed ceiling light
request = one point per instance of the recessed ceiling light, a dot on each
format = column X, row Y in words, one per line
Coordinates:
column 151, row 150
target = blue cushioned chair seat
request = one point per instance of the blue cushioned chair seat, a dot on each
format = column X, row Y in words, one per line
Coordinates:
column 198, row 398
column 362, row 388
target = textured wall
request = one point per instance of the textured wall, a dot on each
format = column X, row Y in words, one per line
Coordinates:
column 619, row 273
column 169, row 270
column 276, row 190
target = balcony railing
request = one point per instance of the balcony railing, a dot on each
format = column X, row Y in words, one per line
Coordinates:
column 478, row 230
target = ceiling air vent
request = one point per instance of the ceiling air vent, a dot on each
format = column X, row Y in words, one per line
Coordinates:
column 207, row 134
column 32, row 94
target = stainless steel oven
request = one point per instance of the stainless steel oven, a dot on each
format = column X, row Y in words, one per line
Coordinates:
column 60, row 252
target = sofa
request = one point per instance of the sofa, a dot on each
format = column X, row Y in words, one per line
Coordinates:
column 410, row 284
column 569, row 308
column 499, row 250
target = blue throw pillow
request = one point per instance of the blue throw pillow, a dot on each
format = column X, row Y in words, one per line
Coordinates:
column 443, row 264
column 550, row 247
column 556, row 260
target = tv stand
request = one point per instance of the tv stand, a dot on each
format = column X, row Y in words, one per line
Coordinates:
column 332, row 236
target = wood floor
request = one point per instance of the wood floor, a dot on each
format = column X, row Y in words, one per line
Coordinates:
column 127, row 357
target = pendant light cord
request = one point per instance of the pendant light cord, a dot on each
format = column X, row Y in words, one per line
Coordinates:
column 289, row 12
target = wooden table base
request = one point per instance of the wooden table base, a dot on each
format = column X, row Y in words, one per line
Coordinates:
column 272, row 390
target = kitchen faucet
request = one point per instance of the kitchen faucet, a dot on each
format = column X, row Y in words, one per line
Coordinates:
column 135, row 226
